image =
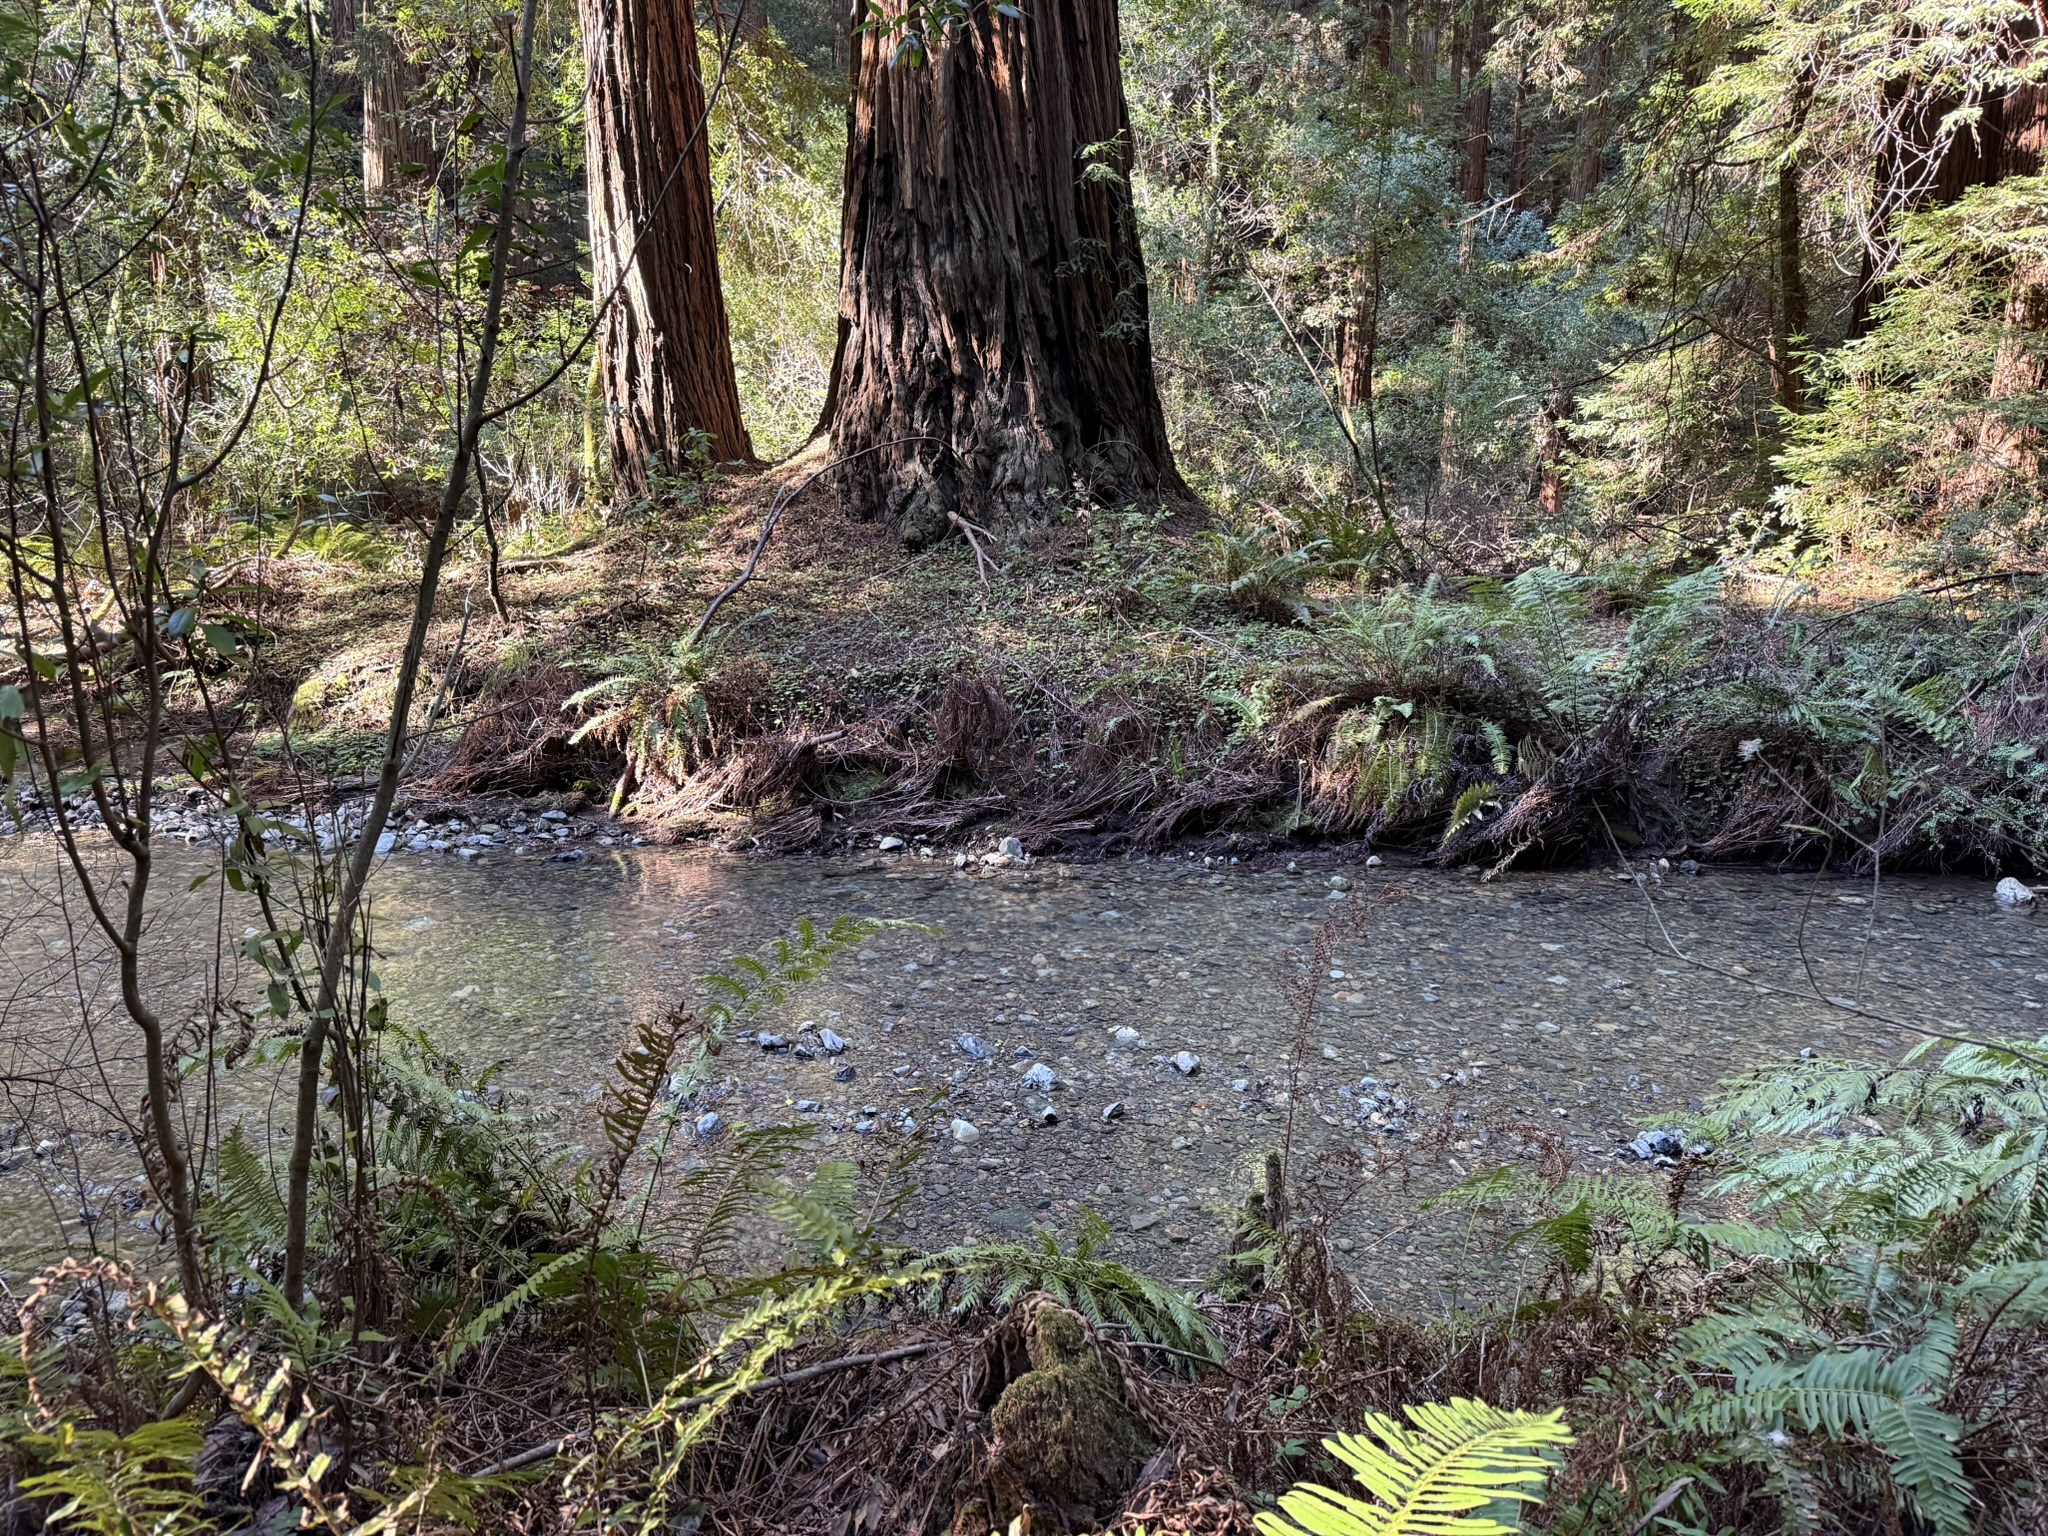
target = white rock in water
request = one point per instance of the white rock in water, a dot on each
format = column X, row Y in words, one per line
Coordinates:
column 1039, row 1079
column 965, row 1130
column 890, row 844
column 1123, row 1034
column 2013, row 896
column 708, row 1125
column 1010, row 847
column 386, row 841
column 1374, row 862
column 831, row 1041
column 1187, row 1063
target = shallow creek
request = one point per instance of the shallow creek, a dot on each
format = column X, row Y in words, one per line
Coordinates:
column 1465, row 1023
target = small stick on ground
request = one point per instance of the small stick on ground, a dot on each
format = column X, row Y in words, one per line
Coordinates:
column 779, row 506
column 982, row 563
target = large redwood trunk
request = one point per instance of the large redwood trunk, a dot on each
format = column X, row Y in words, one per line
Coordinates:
column 1478, row 107
column 992, row 285
column 398, row 151
column 2021, row 365
column 665, row 348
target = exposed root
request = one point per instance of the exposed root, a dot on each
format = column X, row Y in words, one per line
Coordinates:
column 517, row 740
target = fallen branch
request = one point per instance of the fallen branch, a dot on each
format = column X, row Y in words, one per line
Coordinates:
column 776, row 508
column 982, row 564
column 581, row 546
column 549, row 1449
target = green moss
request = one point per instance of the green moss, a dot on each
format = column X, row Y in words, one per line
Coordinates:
column 1069, row 1445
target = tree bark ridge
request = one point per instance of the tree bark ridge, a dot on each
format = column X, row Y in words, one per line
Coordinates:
column 992, row 284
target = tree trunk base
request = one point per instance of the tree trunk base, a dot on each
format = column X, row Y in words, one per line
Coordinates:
column 996, row 362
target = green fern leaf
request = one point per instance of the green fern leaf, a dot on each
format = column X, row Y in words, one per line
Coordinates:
column 1460, row 1457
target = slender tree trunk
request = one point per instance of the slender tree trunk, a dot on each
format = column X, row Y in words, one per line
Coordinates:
column 1787, row 342
column 992, row 280
column 1478, row 106
column 339, row 943
column 665, row 347
column 1522, row 146
column 1381, row 35
column 1550, row 488
column 1788, row 373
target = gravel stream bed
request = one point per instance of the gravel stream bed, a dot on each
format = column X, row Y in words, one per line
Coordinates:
column 1455, row 1024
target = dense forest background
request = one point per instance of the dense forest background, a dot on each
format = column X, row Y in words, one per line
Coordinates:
column 1519, row 282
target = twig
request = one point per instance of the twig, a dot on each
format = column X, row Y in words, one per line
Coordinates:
column 528, row 562
column 1168, row 1349
column 440, row 699
column 492, row 567
column 982, row 564
column 779, row 506
column 549, row 1449
column 1860, row 609
column 1844, row 1004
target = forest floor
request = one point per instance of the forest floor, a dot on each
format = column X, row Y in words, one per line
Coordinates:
column 1079, row 623
column 1102, row 684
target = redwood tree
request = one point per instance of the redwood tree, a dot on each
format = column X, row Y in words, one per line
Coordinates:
column 398, row 151
column 1478, row 105
column 992, row 286
column 665, row 349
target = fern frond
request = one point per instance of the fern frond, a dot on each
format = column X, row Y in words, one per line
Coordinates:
column 821, row 1215
column 246, row 1215
column 996, row 1274
column 491, row 1318
column 1459, row 1457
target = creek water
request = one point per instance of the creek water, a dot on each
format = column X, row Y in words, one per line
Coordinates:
column 1418, row 1028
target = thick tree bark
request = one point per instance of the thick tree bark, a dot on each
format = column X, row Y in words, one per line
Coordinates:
column 1422, row 62
column 992, row 281
column 398, row 151
column 1589, row 159
column 1358, row 347
column 665, row 346
column 1478, row 106
column 1381, row 35
column 2021, row 365
column 1918, row 165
